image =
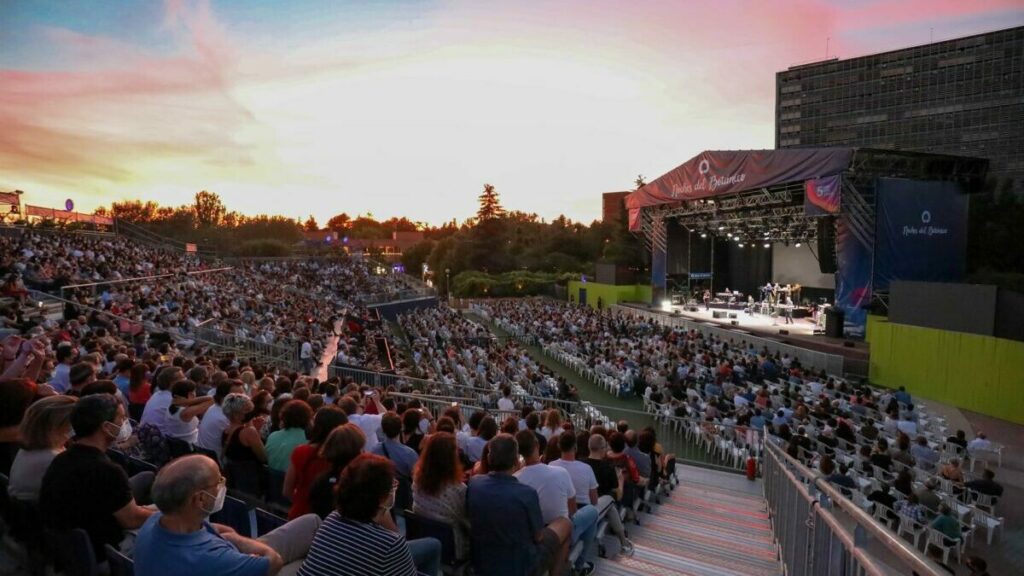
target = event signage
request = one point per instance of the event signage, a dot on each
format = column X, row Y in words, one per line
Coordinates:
column 822, row 196
column 718, row 173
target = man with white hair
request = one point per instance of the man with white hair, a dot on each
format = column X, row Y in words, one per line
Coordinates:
column 180, row 539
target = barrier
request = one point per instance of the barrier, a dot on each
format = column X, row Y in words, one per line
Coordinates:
column 821, row 532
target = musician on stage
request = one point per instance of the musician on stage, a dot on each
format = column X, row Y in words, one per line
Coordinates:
column 707, row 299
column 787, row 309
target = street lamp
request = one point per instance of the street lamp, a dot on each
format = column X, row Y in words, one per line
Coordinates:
column 448, row 283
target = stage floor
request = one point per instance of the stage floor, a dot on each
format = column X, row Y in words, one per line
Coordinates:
column 758, row 322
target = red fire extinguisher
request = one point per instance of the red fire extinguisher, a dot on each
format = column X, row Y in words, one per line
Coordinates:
column 751, row 468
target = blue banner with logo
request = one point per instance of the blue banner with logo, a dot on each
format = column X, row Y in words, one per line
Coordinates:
column 821, row 196
column 921, row 231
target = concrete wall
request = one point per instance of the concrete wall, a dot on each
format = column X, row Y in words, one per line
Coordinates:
column 609, row 293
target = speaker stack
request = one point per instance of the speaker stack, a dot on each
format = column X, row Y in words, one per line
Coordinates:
column 720, row 314
column 827, row 245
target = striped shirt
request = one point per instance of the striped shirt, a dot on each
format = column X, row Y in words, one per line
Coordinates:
column 347, row 548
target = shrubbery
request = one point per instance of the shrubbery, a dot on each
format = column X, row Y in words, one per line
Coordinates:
column 472, row 284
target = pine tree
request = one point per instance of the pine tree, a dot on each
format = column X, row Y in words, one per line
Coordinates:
column 490, row 204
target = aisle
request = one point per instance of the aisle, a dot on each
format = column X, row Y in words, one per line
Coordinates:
column 330, row 351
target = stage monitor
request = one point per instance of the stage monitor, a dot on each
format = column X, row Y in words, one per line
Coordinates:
column 921, row 232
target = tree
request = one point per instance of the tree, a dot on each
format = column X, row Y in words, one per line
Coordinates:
column 209, row 209
column 135, row 211
column 339, row 223
column 639, row 182
column 490, row 204
column 310, row 225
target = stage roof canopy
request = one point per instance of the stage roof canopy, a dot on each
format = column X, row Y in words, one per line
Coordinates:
column 720, row 172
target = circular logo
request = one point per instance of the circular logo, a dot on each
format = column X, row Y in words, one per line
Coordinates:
column 69, row 205
column 926, row 217
column 704, row 167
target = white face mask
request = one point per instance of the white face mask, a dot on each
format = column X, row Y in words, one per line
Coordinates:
column 124, row 432
column 218, row 500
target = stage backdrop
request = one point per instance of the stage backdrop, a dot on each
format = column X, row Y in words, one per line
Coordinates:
column 921, row 232
column 792, row 265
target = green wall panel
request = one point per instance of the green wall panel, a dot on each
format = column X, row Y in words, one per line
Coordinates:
column 978, row 373
column 610, row 294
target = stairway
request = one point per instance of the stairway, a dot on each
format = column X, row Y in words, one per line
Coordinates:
column 713, row 524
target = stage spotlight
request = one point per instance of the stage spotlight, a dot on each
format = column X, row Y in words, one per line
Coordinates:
column 703, row 234
column 797, row 244
column 740, row 244
column 767, row 245
column 720, row 228
column 666, row 305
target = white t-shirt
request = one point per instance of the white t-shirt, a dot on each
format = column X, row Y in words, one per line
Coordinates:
column 506, row 404
column 554, row 488
column 370, row 425
column 175, row 427
column 156, row 409
column 306, row 351
column 583, row 478
column 211, row 429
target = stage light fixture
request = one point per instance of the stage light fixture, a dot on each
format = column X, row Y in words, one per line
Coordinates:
column 703, row 234
column 797, row 244
column 720, row 228
column 740, row 244
column 767, row 245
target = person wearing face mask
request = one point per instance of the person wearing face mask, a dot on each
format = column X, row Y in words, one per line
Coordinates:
column 359, row 536
column 180, row 539
column 83, row 488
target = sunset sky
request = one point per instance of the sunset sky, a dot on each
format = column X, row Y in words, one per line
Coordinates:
column 406, row 108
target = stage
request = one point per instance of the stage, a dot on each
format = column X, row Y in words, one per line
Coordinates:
column 800, row 333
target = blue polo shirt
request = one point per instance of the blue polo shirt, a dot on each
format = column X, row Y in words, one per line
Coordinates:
column 403, row 457
column 159, row 552
column 505, row 516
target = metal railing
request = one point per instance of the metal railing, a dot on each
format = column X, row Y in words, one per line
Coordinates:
column 821, row 532
column 831, row 363
column 92, row 285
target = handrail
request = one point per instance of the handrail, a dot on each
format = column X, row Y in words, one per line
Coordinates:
column 902, row 550
column 143, row 278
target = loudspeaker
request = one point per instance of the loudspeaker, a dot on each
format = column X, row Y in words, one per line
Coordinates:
column 834, row 318
column 718, row 314
column 735, row 323
column 827, row 245
column 732, row 315
column 784, row 332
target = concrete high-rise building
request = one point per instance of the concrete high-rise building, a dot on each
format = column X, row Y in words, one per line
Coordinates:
column 963, row 97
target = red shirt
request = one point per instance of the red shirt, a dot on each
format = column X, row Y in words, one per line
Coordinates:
column 307, row 466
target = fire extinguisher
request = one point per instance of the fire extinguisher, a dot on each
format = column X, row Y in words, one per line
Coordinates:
column 751, row 468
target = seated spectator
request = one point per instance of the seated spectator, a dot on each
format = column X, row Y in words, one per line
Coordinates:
column 946, row 523
column 609, row 489
column 868, row 430
column 904, row 483
column 82, row 488
column 828, row 469
column 505, row 403
column 509, row 537
column 139, row 391
column 156, row 411
column 44, row 431
column 214, row 422
column 980, row 442
column 438, row 491
column 16, row 395
column 912, row 508
column 182, row 420
column 959, row 440
column 557, row 495
column 642, row 460
column 402, row 456
column 359, row 537
column 902, row 452
column 953, row 472
column 984, row 485
column 923, row 454
column 880, row 456
column 181, row 540
column 306, row 464
column 411, row 431
column 883, row 497
column 532, row 424
column 244, row 453
column 295, row 418
column 341, row 447
column 927, row 496
column 81, row 374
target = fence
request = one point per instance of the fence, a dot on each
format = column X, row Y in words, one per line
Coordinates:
column 92, row 285
column 831, row 363
column 821, row 532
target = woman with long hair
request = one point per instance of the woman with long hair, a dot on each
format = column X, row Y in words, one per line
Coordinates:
column 342, row 446
column 437, row 488
column 306, row 463
column 412, row 436
column 139, row 390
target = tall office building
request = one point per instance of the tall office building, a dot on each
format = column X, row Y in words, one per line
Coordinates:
column 962, row 97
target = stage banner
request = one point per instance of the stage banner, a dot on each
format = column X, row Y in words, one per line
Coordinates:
column 853, row 275
column 921, row 231
column 634, row 219
column 659, row 275
column 821, row 196
column 717, row 173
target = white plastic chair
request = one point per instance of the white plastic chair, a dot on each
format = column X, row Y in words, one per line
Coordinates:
column 911, row 527
column 987, row 521
column 938, row 539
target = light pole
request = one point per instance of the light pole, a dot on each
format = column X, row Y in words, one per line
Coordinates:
column 448, row 283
